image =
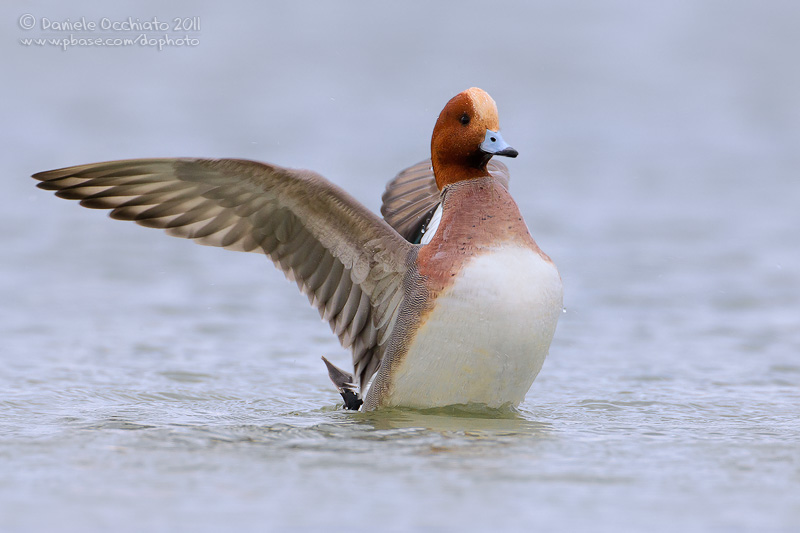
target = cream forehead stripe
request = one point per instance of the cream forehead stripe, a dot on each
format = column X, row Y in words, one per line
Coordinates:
column 484, row 105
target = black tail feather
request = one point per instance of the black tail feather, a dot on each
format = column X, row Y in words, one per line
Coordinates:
column 345, row 384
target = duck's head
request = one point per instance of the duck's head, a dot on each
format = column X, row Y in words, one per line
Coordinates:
column 465, row 137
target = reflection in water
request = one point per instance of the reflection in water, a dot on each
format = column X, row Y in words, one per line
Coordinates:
column 332, row 430
column 454, row 420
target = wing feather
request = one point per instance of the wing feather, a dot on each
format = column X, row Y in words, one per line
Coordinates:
column 348, row 261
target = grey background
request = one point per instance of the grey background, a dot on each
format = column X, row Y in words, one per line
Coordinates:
column 150, row 383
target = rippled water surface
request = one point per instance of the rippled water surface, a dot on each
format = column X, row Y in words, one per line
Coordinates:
column 150, row 384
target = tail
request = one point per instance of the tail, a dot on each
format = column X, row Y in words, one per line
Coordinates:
column 345, row 384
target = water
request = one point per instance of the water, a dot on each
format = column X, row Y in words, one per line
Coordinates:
column 151, row 384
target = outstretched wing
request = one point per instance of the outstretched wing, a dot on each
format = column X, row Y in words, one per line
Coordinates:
column 412, row 196
column 347, row 260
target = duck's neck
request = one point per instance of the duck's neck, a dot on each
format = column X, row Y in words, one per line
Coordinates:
column 447, row 173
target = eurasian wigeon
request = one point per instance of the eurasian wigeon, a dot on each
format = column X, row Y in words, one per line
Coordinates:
column 447, row 300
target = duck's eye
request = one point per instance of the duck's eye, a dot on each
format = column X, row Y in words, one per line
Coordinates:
column 464, row 119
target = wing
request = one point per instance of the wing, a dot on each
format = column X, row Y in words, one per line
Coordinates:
column 412, row 196
column 347, row 260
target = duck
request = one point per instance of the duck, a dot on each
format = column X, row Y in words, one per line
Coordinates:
column 444, row 300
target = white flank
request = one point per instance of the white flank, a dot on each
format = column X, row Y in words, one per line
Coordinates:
column 488, row 336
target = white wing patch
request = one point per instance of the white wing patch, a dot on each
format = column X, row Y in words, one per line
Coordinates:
column 433, row 225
